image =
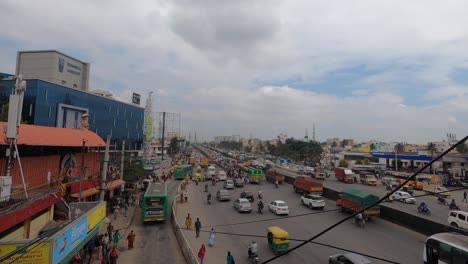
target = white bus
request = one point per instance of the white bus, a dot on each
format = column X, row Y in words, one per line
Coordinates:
column 211, row 172
column 446, row 248
column 222, row 175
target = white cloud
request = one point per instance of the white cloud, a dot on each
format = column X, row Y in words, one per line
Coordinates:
column 204, row 58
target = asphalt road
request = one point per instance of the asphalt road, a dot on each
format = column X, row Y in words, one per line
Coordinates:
column 155, row 242
column 379, row 238
column 439, row 212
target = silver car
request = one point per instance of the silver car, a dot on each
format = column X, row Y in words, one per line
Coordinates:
column 351, row 258
column 242, row 205
column 223, row 195
column 229, row 184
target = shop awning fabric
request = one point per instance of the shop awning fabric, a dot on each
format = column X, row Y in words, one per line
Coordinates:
column 92, row 191
column 53, row 136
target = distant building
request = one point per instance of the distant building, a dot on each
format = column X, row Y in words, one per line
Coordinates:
column 220, row 139
column 330, row 141
column 348, row 142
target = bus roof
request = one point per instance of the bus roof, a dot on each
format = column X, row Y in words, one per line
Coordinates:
column 156, row 188
column 452, row 239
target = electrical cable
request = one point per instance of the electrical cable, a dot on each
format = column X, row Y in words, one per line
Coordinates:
column 374, row 204
column 300, row 240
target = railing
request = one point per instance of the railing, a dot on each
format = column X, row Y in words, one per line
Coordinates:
column 18, row 199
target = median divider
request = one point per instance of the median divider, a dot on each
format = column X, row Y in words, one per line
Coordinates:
column 184, row 246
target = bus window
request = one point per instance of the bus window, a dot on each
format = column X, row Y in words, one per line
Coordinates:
column 432, row 255
column 459, row 256
column 445, row 252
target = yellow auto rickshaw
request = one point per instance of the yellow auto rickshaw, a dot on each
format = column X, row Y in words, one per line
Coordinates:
column 278, row 239
column 199, row 169
column 198, row 176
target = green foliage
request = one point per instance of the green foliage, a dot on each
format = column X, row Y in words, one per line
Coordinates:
column 400, row 163
column 173, row 146
column 399, row 148
column 431, row 148
column 462, row 148
column 366, row 161
column 134, row 170
column 300, row 151
column 234, row 145
column 343, row 163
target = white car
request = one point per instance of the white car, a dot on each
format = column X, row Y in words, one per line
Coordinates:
column 242, row 205
column 222, row 176
column 403, row 197
column 458, row 219
column 313, row 201
column 278, row 207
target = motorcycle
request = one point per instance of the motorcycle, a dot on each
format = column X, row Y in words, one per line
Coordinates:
column 260, row 210
column 276, row 184
column 253, row 257
column 454, row 207
column 260, row 195
column 424, row 210
column 360, row 222
column 442, row 200
column 206, row 188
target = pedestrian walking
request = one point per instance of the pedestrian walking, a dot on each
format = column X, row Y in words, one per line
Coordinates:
column 197, row 227
column 110, row 230
column 201, row 253
column 126, row 209
column 91, row 248
column 230, row 258
column 464, row 197
column 186, row 196
column 212, row 237
column 105, row 246
column 98, row 244
column 131, row 239
column 116, row 237
column 114, row 255
column 181, row 197
column 188, row 221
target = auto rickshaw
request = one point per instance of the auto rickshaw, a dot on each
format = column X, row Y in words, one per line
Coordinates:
column 199, row 169
column 278, row 239
column 198, row 176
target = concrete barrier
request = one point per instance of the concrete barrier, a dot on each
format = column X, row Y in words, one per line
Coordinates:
column 184, row 246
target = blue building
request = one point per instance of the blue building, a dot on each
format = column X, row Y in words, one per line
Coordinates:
column 53, row 105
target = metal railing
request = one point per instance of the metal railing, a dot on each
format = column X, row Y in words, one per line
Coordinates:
column 18, row 199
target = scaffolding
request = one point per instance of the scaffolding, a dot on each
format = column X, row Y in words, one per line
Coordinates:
column 171, row 126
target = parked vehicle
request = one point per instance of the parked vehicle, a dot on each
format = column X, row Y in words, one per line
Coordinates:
column 248, row 195
column 355, row 200
column 435, row 189
column 242, row 205
column 345, row 175
column 222, row 175
column 348, row 258
column 307, row 185
column 223, row 195
column 403, row 197
column 278, row 207
column 238, row 182
column 229, row 184
column 313, row 201
column 272, row 175
column 278, row 239
column 367, row 178
column 458, row 219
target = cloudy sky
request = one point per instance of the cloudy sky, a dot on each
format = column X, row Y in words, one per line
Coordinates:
column 368, row 69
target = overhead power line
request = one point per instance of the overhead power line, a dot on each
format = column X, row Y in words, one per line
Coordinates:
column 374, row 204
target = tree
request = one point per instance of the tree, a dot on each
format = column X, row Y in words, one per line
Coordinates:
column 173, row 146
column 248, row 149
column 366, row 161
column 400, row 163
column 334, row 144
column 399, row 148
column 431, row 147
column 343, row 163
column 462, row 148
column 133, row 171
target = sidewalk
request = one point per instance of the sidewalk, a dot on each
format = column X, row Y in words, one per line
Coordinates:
column 121, row 223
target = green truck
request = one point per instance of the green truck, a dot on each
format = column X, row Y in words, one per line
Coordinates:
column 353, row 200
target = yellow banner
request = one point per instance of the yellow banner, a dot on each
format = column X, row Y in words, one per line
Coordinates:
column 34, row 254
column 95, row 217
column 149, row 129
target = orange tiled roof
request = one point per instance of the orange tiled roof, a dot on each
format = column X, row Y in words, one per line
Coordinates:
column 52, row 136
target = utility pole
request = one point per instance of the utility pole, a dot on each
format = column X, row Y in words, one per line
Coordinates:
column 163, row 132
column 122, row 158
column 102, row 189
column 83, row 170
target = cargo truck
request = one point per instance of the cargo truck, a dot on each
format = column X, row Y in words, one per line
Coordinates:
column 345, row 175
column 203, row 161
column 307, row 185
column 272, row 176
column 192, row 161
column 367, row 178
column 353, row 200
column 435, row 189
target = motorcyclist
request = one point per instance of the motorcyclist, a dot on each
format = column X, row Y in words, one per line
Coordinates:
column 260, row 205
column 359, row 218
column 424, row 206
column 441, row 198
column 253, row 249
column 209, row 198
column 453, row 204
column 206, row 187
column 259, row 193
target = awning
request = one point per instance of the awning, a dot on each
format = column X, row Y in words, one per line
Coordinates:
column 85, row 193
column 53, row 136
column 115, row 184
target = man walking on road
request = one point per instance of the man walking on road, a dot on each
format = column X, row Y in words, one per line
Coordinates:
column 188, row 221
column 230, row 258
column 464, row 197
column 197, row 227
column 186, row 196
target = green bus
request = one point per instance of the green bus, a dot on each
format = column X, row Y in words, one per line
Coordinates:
column 180, row 171
column 155, row 203
column 255, row 175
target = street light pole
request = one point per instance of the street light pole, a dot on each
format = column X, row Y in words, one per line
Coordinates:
column 396, row 159
column 83, row 172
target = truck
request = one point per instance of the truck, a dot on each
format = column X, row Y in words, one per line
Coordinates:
column 436, row 189
column 318, row 173
column 345, row 175
column 307, row 185
column 367, row 178
column 203, row 161
column 272, row 175
column 352, row 200
column 192, row 161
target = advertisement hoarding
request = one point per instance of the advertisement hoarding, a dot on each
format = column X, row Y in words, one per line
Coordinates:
column 67, row 241
column 34, row 254
column 96, row 216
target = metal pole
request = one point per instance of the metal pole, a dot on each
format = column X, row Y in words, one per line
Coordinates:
column 102, row 189
column 82, row 168
column 162, row 139
column 122, row 187
column 396, row 159
column 21, row 170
